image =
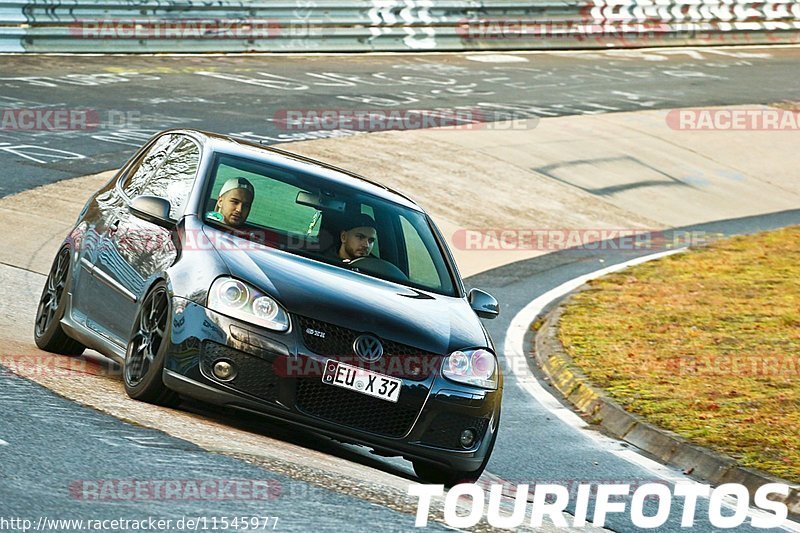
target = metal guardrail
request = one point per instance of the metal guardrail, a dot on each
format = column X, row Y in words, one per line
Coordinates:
column 387, row 25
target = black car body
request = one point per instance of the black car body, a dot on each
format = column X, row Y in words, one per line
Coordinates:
column 141, row 276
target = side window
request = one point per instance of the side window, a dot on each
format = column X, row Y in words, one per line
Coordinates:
column 420, row 264
column 136, row 180
column 174, row 178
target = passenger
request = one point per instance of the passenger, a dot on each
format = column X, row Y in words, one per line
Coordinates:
column 234, row 202
column 357, row 239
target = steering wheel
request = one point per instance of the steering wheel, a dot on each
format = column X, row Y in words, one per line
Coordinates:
column 377, row 266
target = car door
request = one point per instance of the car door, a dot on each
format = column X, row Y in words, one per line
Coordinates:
column 96, row 301
column 136, row 249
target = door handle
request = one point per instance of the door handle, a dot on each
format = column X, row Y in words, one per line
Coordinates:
column 112, row 229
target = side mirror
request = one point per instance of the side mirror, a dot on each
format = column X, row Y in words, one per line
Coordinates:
column 483, row 303
column 153, row 209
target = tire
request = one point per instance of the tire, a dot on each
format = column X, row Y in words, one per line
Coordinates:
column 47, row 331
column 438, row 475
column 144, row 358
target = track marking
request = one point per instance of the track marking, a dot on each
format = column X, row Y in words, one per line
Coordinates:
column 496, row 58
column 514, row 352
column 514, row 348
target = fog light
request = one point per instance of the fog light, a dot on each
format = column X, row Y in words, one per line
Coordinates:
column 467, row 438
column 224, row 371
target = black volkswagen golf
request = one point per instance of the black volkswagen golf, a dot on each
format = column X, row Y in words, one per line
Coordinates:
column 250, row 277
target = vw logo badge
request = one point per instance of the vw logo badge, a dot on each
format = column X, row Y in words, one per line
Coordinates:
column 368, row 348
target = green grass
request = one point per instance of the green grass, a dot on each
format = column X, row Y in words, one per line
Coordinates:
column 706, row 344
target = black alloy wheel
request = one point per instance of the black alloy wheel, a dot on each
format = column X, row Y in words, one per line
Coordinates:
column 144, row 360
column 48, row 333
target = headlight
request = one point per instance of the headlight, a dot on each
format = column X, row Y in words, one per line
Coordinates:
column 238, row 300
column 233, row 294
column 474, row 367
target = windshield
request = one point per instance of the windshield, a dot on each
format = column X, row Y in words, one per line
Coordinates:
column 305, row 215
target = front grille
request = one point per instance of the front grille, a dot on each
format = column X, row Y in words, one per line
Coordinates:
column 254, row 375
column 399, row 360
column 359, row 411
column 445, row 429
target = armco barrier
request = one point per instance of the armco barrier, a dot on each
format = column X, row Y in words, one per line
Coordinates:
column 387, row 25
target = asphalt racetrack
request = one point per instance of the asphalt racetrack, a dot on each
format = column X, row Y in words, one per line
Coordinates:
column 55, row 443
column 133, row 97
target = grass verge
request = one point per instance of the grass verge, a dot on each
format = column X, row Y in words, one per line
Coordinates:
column 705, row 344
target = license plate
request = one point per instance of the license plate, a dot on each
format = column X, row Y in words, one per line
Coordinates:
column 361, row 380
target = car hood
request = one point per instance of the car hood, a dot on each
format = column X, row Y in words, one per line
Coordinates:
column 427, row 321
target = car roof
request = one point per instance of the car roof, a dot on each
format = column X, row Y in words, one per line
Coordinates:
column 306, row 165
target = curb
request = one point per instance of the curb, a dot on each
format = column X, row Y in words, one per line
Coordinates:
column 666, row 446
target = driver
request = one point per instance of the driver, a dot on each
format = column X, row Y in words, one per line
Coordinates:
column 234, row 202
column 357, row 239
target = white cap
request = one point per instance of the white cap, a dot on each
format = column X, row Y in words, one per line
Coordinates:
column 237, row 183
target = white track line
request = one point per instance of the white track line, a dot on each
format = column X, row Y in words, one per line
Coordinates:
column 514, row 349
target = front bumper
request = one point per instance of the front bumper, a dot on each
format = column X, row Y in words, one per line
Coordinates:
column 279, row 376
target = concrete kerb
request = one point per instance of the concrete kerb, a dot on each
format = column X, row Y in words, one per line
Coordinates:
column 666, row 446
